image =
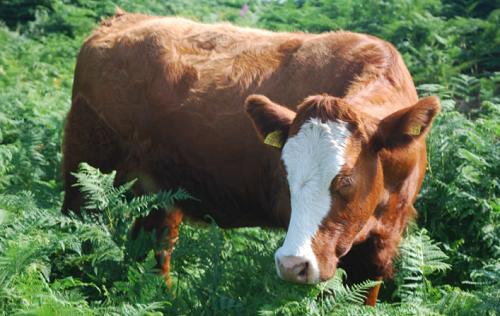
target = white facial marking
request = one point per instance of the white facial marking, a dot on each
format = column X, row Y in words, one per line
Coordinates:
column 312, row 159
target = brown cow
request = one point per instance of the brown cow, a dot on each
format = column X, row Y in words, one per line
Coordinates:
column 163, row 100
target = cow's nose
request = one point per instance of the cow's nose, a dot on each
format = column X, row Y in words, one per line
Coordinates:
column 294, row 269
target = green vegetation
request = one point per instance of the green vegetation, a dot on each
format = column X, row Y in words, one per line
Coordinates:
column 53, row 264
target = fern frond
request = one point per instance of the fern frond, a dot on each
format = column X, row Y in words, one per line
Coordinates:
column 96, row 186
column 341, row 295
column 420, row 257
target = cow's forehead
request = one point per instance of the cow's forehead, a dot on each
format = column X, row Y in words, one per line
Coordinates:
column 317, row 152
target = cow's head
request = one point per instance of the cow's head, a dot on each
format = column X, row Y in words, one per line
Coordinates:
column 332, row 156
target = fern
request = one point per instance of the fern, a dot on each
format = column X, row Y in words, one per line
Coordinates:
column 101, row 194
column 326, row 298
column 117, row 213
column 464, row 87
column 108, row 232
column 343, row 294
column 457, row 302
column 420, row 257
column 38, row 297
column 25, row 247
column 99, row 245
column 458, row 202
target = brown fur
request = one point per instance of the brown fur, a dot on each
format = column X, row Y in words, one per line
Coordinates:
column 162, row 99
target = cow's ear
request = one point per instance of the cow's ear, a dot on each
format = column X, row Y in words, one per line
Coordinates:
column 401, row 128
column 272, row 121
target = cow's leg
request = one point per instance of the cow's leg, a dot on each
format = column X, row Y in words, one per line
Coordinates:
column 164, row 222
column 371, row 296
column 87, row 138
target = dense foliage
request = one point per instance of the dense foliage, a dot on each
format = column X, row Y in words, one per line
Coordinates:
column 53, row 264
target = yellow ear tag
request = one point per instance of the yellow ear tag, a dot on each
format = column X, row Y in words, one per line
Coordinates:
column 415, row 130
column 274, row 139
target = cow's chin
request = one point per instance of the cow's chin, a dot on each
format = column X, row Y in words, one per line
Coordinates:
column 327, row 269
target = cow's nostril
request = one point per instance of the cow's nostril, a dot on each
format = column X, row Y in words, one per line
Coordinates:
column 303, row 272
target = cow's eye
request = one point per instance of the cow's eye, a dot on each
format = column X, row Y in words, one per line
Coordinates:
column 345, row 181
